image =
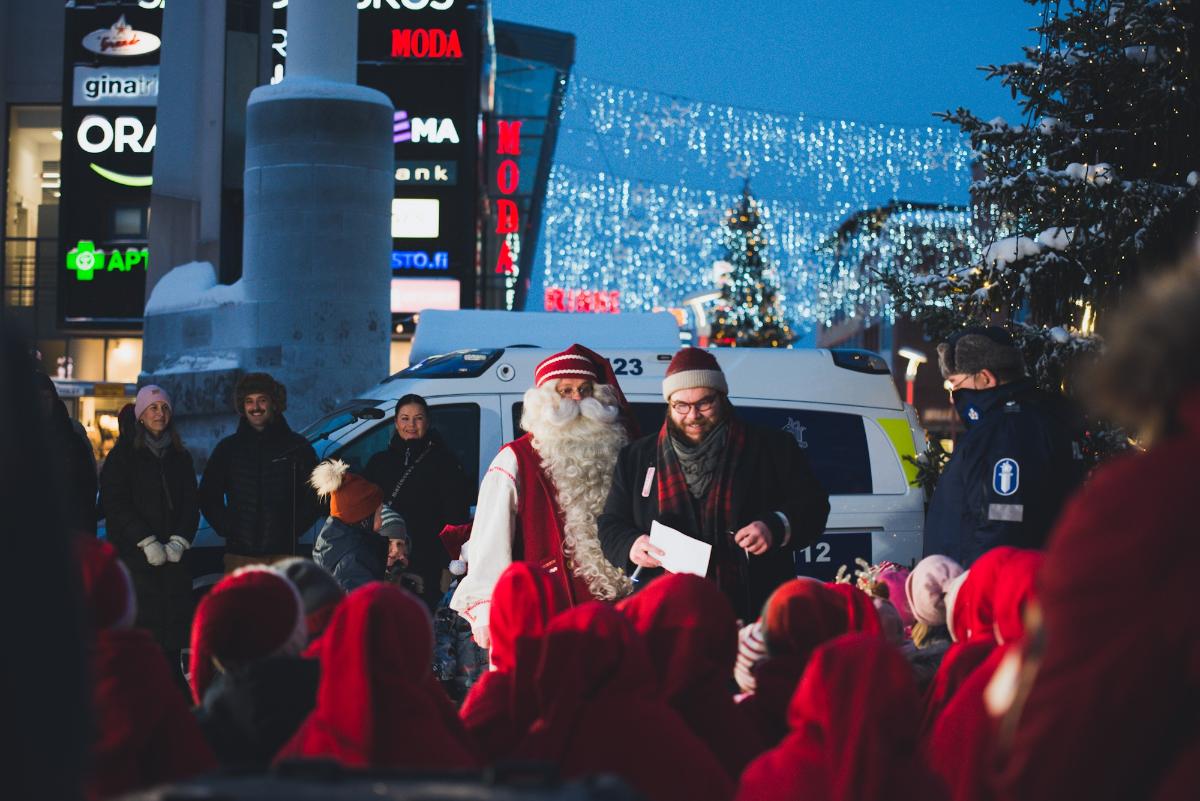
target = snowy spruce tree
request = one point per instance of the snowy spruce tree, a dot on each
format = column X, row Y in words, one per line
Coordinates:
column 748, row 313
column 1093, row 189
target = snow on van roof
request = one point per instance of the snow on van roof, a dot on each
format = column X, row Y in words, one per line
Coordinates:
column 447, row 331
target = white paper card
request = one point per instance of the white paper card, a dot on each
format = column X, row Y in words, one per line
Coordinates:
column 683, row 553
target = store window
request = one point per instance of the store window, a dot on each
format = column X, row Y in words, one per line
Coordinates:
column 32, row 191
column 123, row 361
column 87, row 358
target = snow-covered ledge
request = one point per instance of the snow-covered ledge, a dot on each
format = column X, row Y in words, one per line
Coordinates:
column 198, row 341
column 312, row 306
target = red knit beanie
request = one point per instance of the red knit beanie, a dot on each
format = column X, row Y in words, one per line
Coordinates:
column 107, row 588
column 691, row 368
column 253, row 613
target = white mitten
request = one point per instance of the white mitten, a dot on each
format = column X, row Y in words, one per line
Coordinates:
column 175, row 548
column 458, row 566
column 156, row 555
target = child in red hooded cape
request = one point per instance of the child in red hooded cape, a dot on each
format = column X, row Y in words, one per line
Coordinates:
column 376, row 705
column 690, row 631
column 970, row 616
column 861, row 614
column 853, row 736
column 599, row 711
column 145, row 734
column 798, row 617
column 502, row 704
column 960, row 747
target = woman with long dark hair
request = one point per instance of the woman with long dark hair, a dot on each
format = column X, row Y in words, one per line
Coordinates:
column 422, row 481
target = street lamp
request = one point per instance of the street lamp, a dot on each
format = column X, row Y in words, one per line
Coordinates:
column 695, row 302
column 915, row 359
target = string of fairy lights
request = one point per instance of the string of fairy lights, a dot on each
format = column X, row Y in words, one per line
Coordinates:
column 643, row 182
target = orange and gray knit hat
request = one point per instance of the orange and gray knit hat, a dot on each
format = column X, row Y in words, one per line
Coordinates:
column 352, row 498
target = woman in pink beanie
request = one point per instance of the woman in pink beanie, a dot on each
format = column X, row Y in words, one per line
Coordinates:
column 148, row 491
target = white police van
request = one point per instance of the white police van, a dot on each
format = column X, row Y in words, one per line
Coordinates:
column 841, row 406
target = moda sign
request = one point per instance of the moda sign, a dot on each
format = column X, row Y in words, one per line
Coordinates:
column 508, row 176
column 425, row 43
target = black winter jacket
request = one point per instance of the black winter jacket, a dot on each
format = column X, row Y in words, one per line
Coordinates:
column 251, row 712
column 773, row 476
column 145, row 496
column 248, row 487
column 1009, row 475
column 437, row 492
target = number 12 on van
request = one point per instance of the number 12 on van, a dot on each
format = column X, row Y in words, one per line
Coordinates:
column 822, row 559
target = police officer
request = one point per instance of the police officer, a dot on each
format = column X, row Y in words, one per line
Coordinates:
column 1016, row 463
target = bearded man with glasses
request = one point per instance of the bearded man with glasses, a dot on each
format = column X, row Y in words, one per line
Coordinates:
column 747, row 491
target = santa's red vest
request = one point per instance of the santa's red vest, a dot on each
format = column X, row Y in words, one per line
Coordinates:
column 539, row 536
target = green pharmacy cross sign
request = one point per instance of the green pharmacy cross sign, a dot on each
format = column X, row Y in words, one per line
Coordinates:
column 85, row 260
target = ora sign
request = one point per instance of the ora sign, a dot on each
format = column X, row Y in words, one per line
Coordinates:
column 97, row 134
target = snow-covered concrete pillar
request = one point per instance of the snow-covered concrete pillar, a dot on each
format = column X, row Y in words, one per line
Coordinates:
column 313, row 304
column 319, row 180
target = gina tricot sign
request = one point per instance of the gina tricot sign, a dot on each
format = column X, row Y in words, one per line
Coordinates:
column 116, row 86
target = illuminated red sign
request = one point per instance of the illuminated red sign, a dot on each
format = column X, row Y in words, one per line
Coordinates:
column 425, row 43
column 508, row 176
column 558, row 299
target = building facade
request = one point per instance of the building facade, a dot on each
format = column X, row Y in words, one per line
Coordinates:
column 125, row 125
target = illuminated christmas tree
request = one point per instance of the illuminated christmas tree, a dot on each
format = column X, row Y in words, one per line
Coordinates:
column 748, row 313
column 1094, row 188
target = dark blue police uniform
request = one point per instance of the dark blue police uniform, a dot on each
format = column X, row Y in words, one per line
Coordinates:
column 1009, row 475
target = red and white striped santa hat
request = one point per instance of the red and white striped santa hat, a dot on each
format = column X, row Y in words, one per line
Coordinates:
column 574, row 362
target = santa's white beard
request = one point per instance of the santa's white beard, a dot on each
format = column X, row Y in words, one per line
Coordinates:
column 578, row 443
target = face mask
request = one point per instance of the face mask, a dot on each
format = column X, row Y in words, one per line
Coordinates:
column 971, row 403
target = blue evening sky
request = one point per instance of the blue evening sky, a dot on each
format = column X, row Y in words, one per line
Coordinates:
column 890, row 61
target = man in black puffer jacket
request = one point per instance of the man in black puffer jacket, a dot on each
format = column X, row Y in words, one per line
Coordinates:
column 255, row 491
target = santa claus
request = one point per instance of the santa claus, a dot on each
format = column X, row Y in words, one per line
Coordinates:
column 540, row 497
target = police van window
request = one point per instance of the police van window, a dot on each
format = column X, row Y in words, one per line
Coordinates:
column 458, row 424
column 835, row 444
column 650, row 417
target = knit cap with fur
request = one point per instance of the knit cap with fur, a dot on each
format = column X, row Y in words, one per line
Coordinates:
column 259, row 384
column 975, row 349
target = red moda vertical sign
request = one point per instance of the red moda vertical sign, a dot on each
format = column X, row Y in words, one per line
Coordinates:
column 508, row 177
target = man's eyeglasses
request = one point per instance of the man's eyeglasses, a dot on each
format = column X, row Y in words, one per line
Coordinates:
column 582, row 391
column 703, row 406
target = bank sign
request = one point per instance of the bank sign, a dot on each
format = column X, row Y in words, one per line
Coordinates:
column 110, row 94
